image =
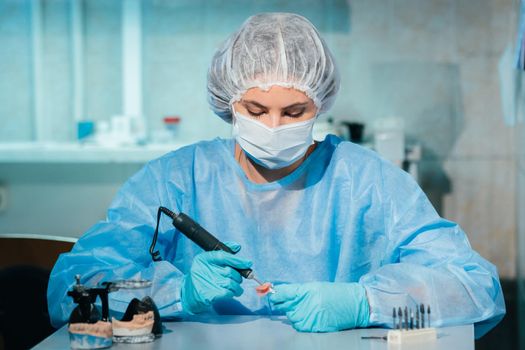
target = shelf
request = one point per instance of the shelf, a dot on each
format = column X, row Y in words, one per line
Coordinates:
column 54, row 152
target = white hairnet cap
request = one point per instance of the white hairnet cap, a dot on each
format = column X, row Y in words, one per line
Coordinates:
column 270, row 49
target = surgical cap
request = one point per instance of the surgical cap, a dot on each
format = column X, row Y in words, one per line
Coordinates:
column 269, row 49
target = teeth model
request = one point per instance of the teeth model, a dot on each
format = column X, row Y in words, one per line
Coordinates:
column 90, row 335
column 141, row 324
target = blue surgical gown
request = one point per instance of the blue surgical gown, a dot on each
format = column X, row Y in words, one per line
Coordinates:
column 344, row 215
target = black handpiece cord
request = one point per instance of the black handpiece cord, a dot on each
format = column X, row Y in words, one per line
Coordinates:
column 155, row 255
column 196, row 233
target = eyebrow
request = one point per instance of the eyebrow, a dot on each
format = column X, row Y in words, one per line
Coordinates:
column 257, row 104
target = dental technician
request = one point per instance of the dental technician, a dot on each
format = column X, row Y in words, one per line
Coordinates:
column 342, row 234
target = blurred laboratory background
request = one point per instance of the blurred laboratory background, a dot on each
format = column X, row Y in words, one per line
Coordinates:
column 90, row 90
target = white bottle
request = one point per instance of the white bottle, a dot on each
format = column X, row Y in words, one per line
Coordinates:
column 389, row 139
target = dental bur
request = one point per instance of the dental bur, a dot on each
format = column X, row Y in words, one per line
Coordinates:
column 405, row 331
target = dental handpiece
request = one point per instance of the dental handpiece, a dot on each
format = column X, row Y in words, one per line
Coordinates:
column 198, row 235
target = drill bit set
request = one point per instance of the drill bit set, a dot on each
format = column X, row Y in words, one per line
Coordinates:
column 409, row 326
column 409, row 320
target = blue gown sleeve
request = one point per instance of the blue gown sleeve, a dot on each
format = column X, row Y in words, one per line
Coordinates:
column 118, row 248
column 429, row 260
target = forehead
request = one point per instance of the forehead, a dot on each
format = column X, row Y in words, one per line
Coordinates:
column 276, row 96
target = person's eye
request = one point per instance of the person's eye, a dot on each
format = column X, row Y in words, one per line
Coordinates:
column 255, row 114
column 294, row 115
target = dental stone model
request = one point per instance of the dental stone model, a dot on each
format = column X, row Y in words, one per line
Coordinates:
column 140, row 323
column 90, row 335
column 89, row 327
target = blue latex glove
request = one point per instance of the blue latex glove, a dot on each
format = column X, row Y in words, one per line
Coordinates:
column 212, row 277
column 322, row 306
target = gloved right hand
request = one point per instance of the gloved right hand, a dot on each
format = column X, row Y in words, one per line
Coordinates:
column 212, row 277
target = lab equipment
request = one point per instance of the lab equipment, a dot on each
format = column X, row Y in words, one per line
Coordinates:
column 405, row 331
column 404, row 322
column 422, row 312
column 281, row 49
column 355, row 131
column 389, row 139
column 85, row 298
column 139, row 327
column 198, row 235
column 406, row 317
column 169, row 133
column 172, row 125
column 208, row 281
column 344, row 215
column 103, row 134
column 324, row 127
column 419, row 317
column 121, row 130
column 322, row 306
column 273, row 148
column 141, row 322
column 90, row 329
column 85, row 130
column 394, row 317
column 421, row 335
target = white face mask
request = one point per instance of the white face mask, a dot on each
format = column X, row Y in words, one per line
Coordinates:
column 273, row 148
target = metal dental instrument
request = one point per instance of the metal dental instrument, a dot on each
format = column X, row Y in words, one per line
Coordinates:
column 198, row 235
column 406, row 331
column 422, row 310
column 375, row 337
column 394, row 317
column 406, row 317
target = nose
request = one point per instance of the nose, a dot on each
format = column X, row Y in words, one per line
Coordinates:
column 274, row 120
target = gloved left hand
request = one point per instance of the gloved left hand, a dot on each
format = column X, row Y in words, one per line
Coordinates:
column 322, row 306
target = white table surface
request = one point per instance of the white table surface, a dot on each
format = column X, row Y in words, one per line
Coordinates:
column 254, row 333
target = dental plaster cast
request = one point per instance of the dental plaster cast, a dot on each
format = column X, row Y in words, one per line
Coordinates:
column 141, row 324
